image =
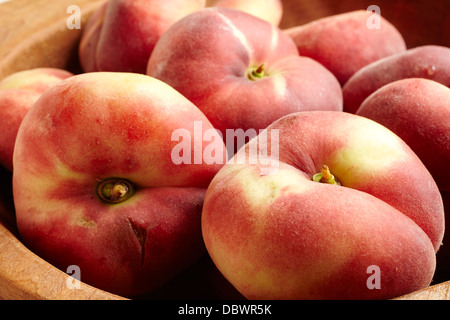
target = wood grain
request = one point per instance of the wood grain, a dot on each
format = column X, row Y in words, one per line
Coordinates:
column 23, row 275
column 33, row 33
column 439, row 291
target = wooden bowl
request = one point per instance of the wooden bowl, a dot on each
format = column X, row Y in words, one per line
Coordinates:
column 33, row 33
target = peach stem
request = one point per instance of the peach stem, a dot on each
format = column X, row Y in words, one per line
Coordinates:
column 325, row 176
column 119, row 191
column 114, row 190
column 256, row 73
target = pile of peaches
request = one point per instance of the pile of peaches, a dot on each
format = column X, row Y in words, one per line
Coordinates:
column 131, row 170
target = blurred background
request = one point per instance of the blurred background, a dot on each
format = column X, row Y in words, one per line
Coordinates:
column 419, row 21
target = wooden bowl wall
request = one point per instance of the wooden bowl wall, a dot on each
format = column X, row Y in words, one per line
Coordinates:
column 34, row 34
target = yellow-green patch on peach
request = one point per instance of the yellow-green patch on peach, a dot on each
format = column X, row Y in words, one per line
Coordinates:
column 370, row 150
column 261, row 189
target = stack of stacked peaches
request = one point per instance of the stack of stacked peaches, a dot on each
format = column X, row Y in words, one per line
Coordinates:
column 304, row 163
